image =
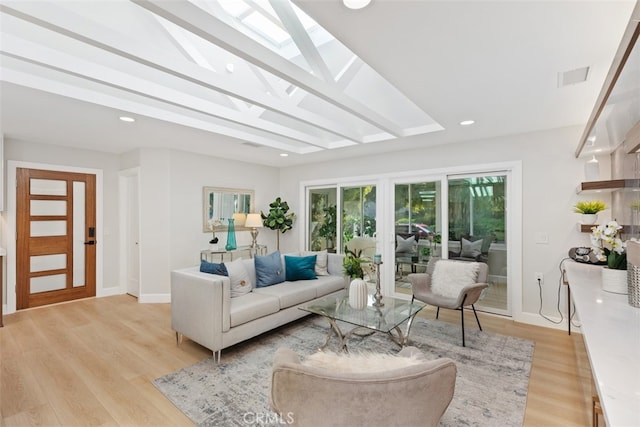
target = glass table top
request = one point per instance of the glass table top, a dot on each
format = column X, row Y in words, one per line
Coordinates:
column 382, row 319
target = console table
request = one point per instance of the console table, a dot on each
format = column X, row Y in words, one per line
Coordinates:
column 611, row 333
column 222, row 255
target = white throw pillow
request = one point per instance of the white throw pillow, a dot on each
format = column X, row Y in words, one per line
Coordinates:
column 471, row 249
column 360, row 362
column 449, row 277
column 239, row 277
column 322, row 261
column 407, row 245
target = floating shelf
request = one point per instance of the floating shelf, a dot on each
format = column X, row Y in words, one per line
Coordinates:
column 586, row 228
column 609, row 185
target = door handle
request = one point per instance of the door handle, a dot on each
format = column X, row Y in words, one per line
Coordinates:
column 90, row 242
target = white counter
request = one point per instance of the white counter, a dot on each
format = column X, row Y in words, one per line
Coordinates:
column 611, row 331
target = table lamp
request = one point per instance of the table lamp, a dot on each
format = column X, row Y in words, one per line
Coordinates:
column 254, row 221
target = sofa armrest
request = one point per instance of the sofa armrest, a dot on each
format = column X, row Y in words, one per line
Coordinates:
column 200, row 306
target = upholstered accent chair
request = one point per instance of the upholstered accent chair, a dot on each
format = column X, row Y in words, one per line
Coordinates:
column 414, row 395
column 451, row 284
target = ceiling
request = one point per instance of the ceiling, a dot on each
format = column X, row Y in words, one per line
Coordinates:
column 70, row 69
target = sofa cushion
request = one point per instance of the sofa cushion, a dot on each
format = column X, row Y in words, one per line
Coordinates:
column 407, row 245
column 322, row 261
column 289, row 293
column 300, row 267
column 239, row 278
column 213, row 268
column 252, row 306
column 471, row 249
column 269, row 270
column 324, row 285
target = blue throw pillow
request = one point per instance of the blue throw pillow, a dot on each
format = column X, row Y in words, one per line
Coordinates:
column 269, row 270
column 300, row 267
column 213, row 268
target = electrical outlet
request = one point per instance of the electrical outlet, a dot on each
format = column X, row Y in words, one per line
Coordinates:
column 539, row 277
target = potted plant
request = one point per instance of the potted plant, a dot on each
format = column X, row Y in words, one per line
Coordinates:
column 278, row 218
column 352, row 264
column 589, row 209
column 609, row 248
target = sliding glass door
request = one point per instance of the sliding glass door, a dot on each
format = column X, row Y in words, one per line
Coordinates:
column 412, row 220
column 477, row 219
column 417, row 229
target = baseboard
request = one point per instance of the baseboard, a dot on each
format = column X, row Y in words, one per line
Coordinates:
column 107, row 292
column 154, row 298
column 537, row 320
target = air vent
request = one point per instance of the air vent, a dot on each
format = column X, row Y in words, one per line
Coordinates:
column 572, row 77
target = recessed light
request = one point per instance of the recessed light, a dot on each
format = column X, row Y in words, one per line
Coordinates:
column 356, row 4
column 127, row 119
column 467, row 122
column 284, row 155
column 230, row 68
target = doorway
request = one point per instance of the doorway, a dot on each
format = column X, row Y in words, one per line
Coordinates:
column 130, row 231
column 55, row 236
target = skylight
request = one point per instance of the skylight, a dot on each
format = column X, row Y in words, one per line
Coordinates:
column 259, row 71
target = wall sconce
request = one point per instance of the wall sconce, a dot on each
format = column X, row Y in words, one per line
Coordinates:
column 254, row 221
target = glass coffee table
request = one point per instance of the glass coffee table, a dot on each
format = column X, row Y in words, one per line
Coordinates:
column 387, row 319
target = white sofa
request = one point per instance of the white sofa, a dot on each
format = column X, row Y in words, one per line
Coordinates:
column 203, row 310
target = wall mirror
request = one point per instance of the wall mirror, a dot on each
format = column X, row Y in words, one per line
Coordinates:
column 221, row 203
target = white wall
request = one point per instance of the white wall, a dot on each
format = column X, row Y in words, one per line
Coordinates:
column 171, row 210
column 189, row 173
column 550, row 175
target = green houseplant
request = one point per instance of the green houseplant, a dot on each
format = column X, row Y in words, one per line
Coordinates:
column 278, row 218
column 352, row 264
column 589, row 207
column 328, row 228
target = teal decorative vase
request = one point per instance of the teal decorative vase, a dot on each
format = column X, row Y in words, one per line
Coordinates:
column 231, row 236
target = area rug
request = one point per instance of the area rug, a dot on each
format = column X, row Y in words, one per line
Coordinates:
column 491, row 385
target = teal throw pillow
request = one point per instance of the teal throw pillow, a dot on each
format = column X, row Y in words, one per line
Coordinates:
column 300, row 267
column 213, row 268
column 269, row 270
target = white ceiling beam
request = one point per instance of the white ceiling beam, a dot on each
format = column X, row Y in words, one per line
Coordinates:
column 50, row 58
column 49, row 16
column 184, row 45
column 191, row 18
column 301, row 38
column 349, row 72
column 142, row 109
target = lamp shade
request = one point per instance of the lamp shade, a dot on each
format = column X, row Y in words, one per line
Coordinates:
column 239, row 219
column 254, row 220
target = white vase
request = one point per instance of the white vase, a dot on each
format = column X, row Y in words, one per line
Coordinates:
column 614, row 281
column 358, row 294
column 589, row 218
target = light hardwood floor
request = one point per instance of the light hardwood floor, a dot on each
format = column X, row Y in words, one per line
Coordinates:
column 91, row 362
